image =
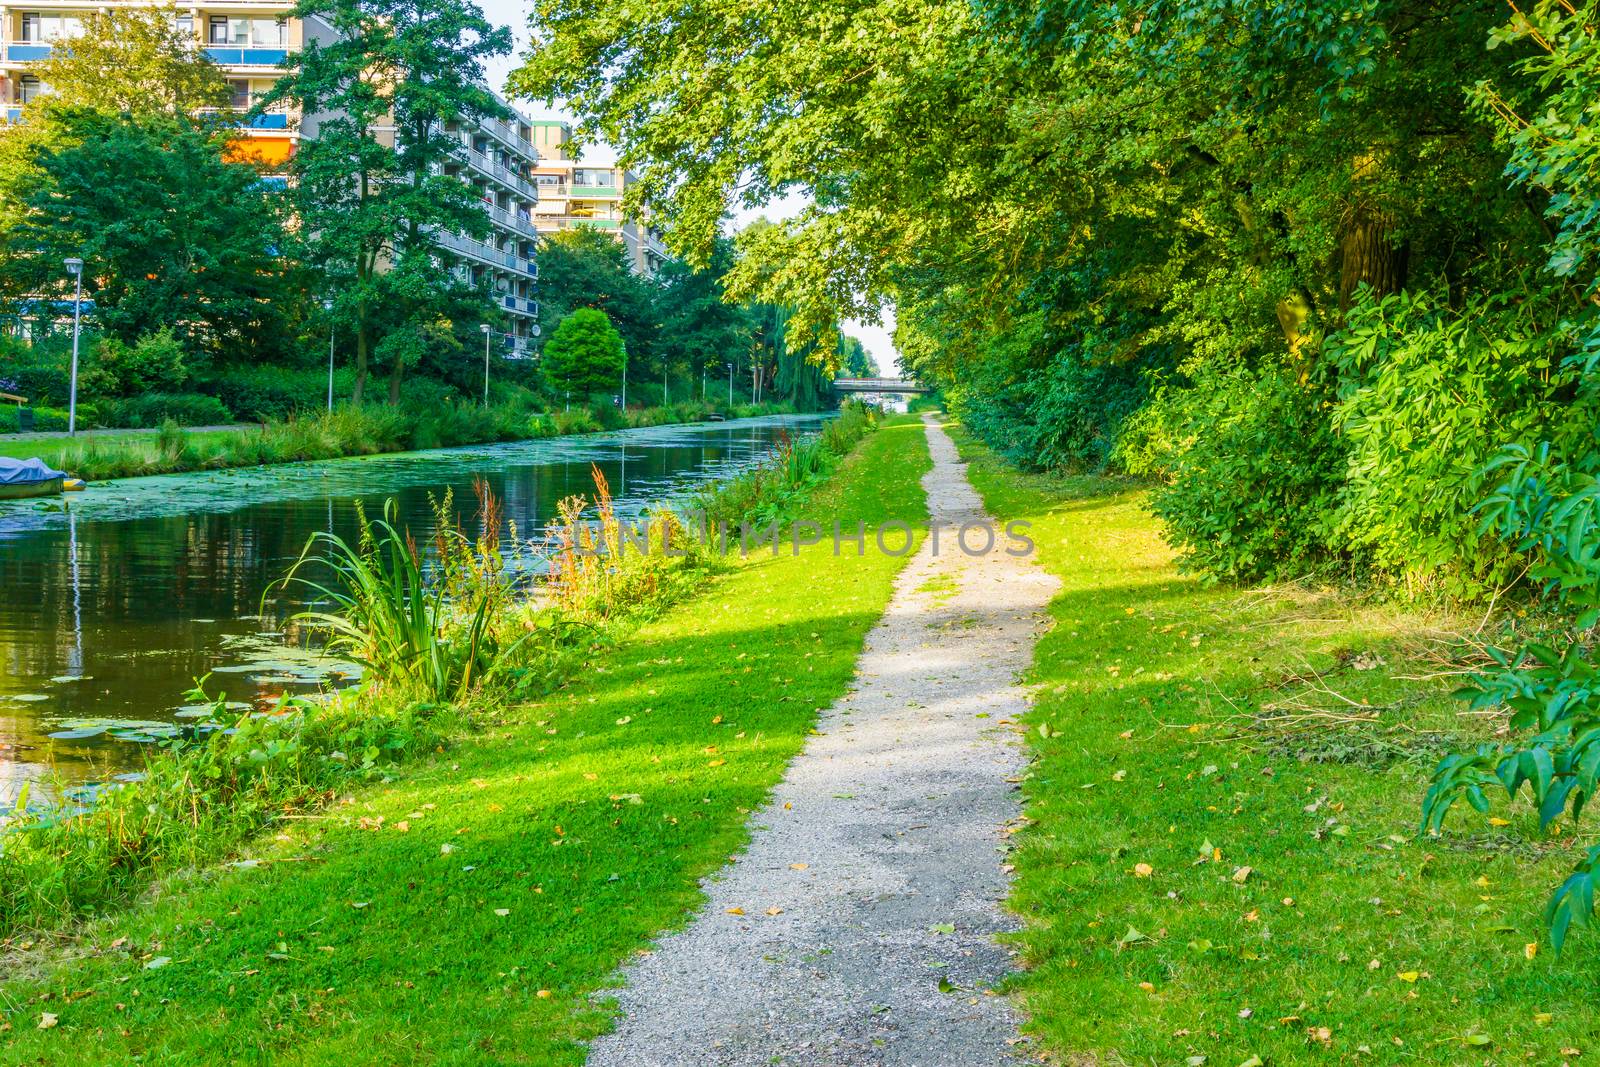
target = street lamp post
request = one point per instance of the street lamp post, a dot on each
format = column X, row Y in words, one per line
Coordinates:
column 730, row 387
column 624, row 379
column 664, row 400
column 486, row 335
column 327, row 306
column 75, row 268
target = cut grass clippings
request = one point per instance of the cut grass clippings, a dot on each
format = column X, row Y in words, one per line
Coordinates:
column 465, row 912
column 1223, row 862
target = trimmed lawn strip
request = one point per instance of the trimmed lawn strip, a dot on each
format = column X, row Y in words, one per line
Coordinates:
column 1222, row 861
column 465, row 912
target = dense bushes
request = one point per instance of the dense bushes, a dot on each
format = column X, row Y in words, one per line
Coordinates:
column 152, row 409
column 1252, row 472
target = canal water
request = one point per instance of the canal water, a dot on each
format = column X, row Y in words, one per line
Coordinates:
column 111, row 605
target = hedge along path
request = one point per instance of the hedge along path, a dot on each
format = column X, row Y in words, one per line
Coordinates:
column 860, row 925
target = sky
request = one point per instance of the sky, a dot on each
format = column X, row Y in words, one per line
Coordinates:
column 878, row 339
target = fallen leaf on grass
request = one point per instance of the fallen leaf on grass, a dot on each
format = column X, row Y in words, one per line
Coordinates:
column 1143, row 870
column 502, row 912
column 1132, row 937
column 543, row 994
column 1531, row 949
column 1242, row 874
column 158, row 963
column 1408, row 976
column 47, row 1021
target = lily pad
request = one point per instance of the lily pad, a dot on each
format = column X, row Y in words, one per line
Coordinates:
column 81, row 734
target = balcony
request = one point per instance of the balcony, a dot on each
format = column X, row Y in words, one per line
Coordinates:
column 506, row 133
column 519, row 305
column 510, row 179
column 27, row 52
column 487, row 255
column 513, row 221
column 226, row 56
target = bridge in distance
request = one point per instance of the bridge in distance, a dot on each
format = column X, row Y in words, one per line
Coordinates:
column 877, row 385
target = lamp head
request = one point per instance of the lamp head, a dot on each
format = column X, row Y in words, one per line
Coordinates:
column 74, row 265
column 485, row 329
column 327, row 305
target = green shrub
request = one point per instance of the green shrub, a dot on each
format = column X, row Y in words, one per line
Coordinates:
column 45, row 385
column 1427, row 396
column 154, row 362
column 1254, row 472
column 152, row 409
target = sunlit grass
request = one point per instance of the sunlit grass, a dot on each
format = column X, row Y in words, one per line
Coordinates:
column 1223, row 860
column 466, row 911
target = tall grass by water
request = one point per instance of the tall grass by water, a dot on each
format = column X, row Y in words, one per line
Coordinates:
column 445, row 638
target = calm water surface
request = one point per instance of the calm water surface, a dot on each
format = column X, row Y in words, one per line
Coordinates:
column 110, row 607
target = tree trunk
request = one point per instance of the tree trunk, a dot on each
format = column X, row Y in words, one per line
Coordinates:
column 361, row 365
column 396, row 371
column 1369, row 253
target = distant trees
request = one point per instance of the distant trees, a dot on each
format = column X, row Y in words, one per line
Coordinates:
column 585, row 355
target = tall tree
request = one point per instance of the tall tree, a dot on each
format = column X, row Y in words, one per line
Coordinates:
column 368, row 189
column 702, row 329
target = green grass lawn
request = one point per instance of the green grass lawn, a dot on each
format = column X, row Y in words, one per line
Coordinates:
column 1222, row 862
column 464, row 913
column 51, row 449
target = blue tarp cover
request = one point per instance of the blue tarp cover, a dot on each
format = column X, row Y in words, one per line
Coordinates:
column 26, row 471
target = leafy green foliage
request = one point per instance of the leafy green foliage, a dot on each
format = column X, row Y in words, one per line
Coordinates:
column 585, row 355
column 1428, row 394
column 1253, row 476
column 173, row 236
column 369, row 189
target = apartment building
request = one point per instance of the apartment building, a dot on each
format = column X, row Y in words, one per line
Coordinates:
column 575, row 193
column 251, row 41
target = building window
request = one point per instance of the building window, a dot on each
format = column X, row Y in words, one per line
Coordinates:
column 247, row 33
column 39, row 29
column 599, row 179
column 29, row 88
column 184, row 24
column 239, row 94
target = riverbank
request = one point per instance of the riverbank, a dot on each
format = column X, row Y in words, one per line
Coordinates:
column 345, row 432
column 1221, row 864
column 466, row 908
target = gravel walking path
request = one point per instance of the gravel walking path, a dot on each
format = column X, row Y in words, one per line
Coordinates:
column 859, row 927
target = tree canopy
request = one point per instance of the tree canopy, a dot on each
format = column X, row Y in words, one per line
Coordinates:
column 584, row 355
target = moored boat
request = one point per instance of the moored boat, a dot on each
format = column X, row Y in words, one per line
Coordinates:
column 21, row 478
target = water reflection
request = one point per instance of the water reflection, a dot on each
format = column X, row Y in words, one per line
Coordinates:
column 112, row 605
